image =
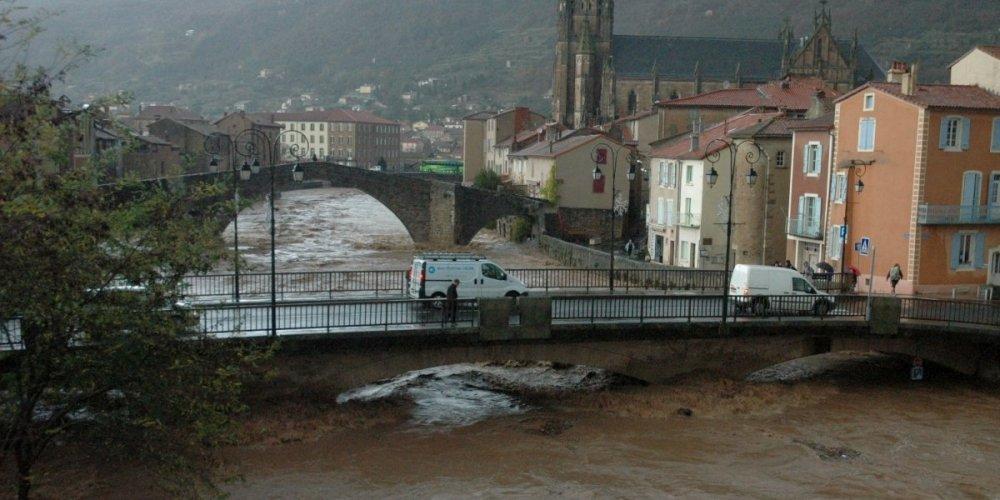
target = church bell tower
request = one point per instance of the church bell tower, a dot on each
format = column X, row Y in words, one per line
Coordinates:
column 580, row 91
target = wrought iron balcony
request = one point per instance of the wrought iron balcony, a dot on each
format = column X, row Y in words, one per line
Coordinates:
column 958, row 214
column 805, row 227
column 689, row 220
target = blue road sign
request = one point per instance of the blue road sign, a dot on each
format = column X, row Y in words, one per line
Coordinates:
column 865, row 246
column 843, row 232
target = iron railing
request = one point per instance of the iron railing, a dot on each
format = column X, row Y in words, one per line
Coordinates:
column 958, row 214
column 327, row 284
column 805, row 227
column 329, row 316
column 689, row 219
column 950, row 311
column 646, row 309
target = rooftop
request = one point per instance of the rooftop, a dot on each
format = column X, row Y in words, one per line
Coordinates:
column 791, row 93
column 679, row 148
column 562, row 146
column 332, row 115
column 173, row 112
column 938, row 95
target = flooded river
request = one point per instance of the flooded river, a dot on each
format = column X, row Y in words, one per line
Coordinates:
column 328, row 229
column 857, row 427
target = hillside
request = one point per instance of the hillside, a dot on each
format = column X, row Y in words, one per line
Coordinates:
column 209, row 54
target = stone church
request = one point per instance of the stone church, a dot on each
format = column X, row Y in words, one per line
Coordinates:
column 600, row 76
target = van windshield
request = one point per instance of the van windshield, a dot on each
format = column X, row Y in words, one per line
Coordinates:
column 801, row 285
column 493, row 272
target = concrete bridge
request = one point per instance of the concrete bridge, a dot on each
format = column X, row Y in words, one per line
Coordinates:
column 433, row 212
column 619, row 338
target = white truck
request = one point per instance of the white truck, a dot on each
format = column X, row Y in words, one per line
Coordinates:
column 760, row 289
column 432, row 273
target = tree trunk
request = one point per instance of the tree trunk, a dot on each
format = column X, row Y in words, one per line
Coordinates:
column 23, row 472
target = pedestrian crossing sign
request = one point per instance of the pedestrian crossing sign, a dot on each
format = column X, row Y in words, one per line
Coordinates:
column 865, row 247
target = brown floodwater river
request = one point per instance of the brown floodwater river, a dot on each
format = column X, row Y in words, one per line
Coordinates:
column 860, row 429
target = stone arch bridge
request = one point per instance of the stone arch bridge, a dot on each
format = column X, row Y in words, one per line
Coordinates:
column 652, row 353
column 434, row 212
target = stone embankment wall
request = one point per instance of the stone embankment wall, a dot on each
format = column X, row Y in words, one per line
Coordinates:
column 579, row 256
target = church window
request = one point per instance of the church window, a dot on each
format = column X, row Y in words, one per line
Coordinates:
column 866, row 134
column 869, row 102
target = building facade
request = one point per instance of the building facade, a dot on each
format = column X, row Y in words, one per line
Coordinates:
column 979, row 66
column 810, row 191
column 931, row 198
column 355, row 138
column 599, row 76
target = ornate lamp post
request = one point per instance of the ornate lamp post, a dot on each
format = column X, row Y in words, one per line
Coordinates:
column 600, row 156
column 214, row 145
column 753, row 155
column 860, row 167
column 246, row 146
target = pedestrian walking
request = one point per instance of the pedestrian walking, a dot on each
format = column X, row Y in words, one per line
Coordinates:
column 451, row 302
column 894, row 275
column 789, row 265
column 807, row 271
column 629, row 248
column 855, row 274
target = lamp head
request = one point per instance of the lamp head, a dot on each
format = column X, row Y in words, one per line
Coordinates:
column 597, row 173
column 712, row 177
column 752, row 176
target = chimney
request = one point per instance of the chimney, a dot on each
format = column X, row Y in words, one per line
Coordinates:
column 695, row 135
column 908, row 84
column 896, row 72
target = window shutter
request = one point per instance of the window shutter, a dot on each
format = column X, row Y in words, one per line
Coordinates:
column 943, row 135
column 956, row 245
column 805, row 159
column 802, row 206
column 995, row 142
column 819, row 158
column 660, row 211
column 979, row 253
column 966, row 128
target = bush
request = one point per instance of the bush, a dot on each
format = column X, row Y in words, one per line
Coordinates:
column 550, row 191
column 520, row 229
column 487, row 179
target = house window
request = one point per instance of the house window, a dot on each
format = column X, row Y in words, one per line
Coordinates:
column 869, row 102
column 684, row 249
column 951, row 132
column 838, row 189
column 866, row 134
column 663, row 173
column 689, row 174
column 965, row 247
column 672, row 174
column 813, row 158
column 320, row 127
column 779, row 159
column 312, row 126
column 661, row 211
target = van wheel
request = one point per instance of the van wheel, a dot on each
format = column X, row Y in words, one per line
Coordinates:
column 512, row 294
column 759, row 307
column 438, row 300
column 821, row 308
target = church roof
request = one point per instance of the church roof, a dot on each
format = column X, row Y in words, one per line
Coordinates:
column 675, row 57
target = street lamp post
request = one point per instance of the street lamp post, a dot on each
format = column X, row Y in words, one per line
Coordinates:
column 246, row 146
column 213, row 145
column 862, row 168
column 752, row 156
column 600, row 155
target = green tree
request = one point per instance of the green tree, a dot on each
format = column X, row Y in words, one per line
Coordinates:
column 550, row 190
column 119, row 369
column 487, row 179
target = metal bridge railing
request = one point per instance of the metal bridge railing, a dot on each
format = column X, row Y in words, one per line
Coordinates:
column 951, row 311
column 646, row 308
column 331, row 316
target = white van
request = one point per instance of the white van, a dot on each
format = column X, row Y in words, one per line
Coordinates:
column 750, row 287
column 432, row 273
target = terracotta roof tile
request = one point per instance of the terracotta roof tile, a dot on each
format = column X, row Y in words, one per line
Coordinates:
column 680, row 147
column 796, row 96
column 940, row 96
column 333, row 115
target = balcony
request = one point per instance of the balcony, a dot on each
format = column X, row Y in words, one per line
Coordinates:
column 958, row 214
column 689, row 220
column 805, row 227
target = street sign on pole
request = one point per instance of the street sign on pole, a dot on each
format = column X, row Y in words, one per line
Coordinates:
column 865, row 246
column 843, row 232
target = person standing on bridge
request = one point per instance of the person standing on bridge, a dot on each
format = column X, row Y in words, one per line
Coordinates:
column 895, row 274
column 451, row 302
